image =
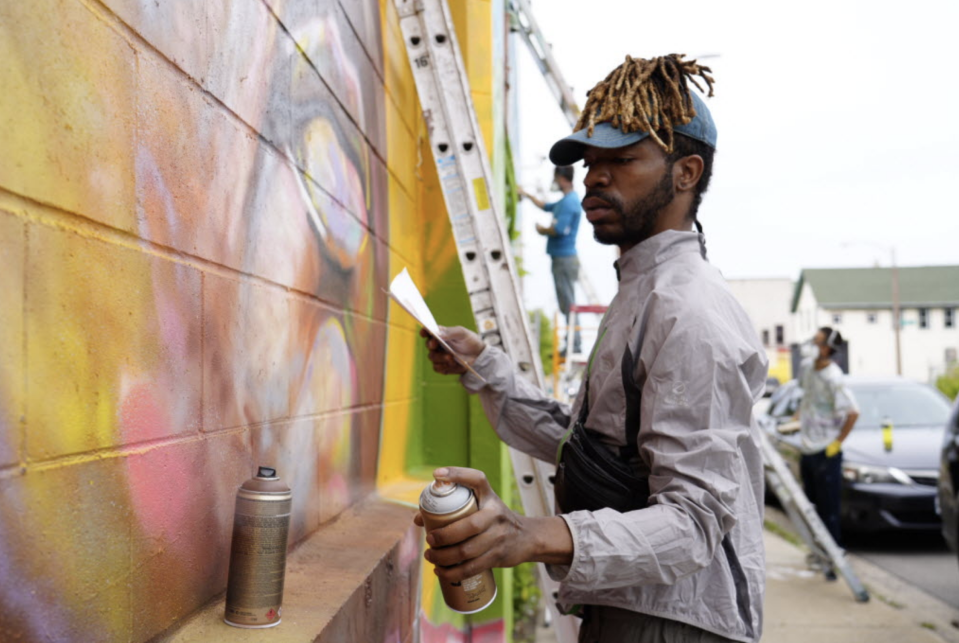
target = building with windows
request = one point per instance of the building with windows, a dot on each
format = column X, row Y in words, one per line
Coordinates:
column 767, row 301
column 859, row 303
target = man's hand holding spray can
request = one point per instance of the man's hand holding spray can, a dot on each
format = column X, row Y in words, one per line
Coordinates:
column 470, row 530
column 443, row 503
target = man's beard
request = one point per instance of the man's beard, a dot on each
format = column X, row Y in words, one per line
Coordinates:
column 638, row 220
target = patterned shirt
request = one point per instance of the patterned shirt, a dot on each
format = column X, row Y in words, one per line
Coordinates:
column 826, row 401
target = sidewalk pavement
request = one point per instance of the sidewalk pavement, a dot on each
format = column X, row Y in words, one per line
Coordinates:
column 802, row 607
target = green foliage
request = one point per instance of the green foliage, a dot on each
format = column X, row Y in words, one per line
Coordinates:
column 512, row 197
column 545, row 338
column 949, row 383
column 527, row 596
column 526, row 603
column 520, row 270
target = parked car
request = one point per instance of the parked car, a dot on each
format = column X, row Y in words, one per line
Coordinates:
column 772, row 383
column 892, row 489
column 949, row 481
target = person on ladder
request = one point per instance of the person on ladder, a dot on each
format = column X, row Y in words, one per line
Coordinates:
column 827, row 414
column 659, row 480
column 561, row 243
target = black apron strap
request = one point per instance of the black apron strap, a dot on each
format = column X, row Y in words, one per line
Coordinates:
column 633, row 398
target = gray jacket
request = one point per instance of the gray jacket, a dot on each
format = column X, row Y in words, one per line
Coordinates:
column 695, row 554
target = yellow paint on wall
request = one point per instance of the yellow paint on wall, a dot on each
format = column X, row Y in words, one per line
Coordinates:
column 473, row 20
column 420, row 233
column 404, row 217
column 397, row 76
column 68, row 110
column 419, row 225
column 12, row 252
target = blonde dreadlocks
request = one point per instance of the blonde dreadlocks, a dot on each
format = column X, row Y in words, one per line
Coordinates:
column 646, row 95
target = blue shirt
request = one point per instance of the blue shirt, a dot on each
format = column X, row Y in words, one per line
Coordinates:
column 566, row 215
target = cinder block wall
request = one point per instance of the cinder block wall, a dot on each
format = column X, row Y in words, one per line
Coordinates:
column 200, row 204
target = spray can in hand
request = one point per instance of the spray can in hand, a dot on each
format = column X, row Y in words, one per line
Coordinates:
column 261, row 525
column 443, row 503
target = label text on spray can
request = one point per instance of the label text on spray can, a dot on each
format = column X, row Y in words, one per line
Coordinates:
column 258, row 552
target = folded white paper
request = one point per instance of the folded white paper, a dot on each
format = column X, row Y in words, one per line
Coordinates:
column 407, row 295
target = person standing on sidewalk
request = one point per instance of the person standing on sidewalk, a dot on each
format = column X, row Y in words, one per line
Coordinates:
column 827, row 414
column 659, row 479
column 561, row 242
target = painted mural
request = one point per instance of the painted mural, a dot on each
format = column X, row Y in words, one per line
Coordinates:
column 200, row 206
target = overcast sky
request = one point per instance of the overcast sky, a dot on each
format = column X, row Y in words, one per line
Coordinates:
column 838, row 128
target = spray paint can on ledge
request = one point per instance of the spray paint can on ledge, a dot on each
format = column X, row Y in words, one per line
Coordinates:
column 261, row 524
column 442, row 503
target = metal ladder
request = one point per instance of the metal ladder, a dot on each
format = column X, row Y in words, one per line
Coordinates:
column 804, row 517
column 523, row 23
column 479, row 232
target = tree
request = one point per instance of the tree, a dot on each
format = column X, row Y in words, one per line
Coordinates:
column 545, row 338
column 949, row 383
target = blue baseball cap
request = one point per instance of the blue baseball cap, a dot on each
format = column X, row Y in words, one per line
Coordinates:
column 570, row 149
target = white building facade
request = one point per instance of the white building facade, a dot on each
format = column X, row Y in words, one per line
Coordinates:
column 767, row 302
column 859, row 303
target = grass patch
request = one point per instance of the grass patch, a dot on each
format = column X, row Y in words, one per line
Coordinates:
column 785, row 534
column 928, row 625
column 885, row 599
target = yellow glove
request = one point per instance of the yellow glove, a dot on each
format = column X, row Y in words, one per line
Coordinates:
column 834, row 449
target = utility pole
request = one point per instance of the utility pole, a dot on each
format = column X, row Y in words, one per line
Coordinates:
column 896, row 312
column 896, row 308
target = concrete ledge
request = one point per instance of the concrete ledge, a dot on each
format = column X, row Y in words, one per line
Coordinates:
column 356, row 579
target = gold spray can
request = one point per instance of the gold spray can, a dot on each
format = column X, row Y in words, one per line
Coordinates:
column 441, row 504
column 261, row 525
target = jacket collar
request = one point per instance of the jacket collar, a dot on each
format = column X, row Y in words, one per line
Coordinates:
column 659, row 248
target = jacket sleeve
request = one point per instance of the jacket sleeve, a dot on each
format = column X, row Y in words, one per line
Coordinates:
column 523, row 416
column 696, row 413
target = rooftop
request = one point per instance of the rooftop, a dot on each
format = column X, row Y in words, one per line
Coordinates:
column 920, row 286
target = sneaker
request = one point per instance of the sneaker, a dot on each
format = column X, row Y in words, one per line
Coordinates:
column 830, row 573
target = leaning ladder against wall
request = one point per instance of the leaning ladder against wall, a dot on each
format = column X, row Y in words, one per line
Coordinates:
column 482, row 243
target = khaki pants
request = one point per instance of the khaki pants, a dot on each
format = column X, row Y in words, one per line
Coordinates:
column 614, row 625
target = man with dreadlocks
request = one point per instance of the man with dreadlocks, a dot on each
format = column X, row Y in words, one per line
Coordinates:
column 659, row 479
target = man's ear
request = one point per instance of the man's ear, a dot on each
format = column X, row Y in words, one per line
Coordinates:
column 687, row 171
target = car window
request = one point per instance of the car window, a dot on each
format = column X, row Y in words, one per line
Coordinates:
column 905, row 405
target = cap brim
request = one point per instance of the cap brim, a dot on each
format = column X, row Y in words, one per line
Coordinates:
column 570, row 149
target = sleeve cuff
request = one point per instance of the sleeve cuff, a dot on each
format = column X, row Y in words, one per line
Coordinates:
column 484, row 365
column 560, row 573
